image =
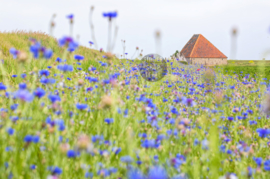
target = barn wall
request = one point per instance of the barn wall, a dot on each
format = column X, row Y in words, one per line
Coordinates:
column 207, row 61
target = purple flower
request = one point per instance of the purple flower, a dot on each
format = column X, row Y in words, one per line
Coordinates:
column 110, row 15
column 54, row 98
column 91, row 42
column 108, row 120
column 23, row 75
column 10, row 131
column 230, row 118
column 35, row 139
column 24, row 95
column 14, row 52
column 44, row 72
column 69, row 42
column 71, row 154
column 188, row 102
column 81, row 106
column 126, row 159
column 39, row 92
column 2, row 87
column 58, row 60
column 32, row 167
column 70, row 16
column 55, row 170
column 28, row 138
column 135, row 174
column 22, row 86
column 263, row 132
column 48, row 53
column 157, row 172
column 65, row 68
column 45, row 80
column 78, row 57
column 267, row 165
column 35, row 48
column 258, row 161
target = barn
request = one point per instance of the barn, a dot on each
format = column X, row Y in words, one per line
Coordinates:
column 199, row 50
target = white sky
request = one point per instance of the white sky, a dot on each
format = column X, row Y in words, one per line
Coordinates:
column 177, row 20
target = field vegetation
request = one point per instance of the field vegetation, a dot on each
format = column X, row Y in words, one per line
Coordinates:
column 72, row 112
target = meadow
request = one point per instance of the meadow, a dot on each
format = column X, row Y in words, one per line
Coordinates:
column 249, row 68
column 73, row 112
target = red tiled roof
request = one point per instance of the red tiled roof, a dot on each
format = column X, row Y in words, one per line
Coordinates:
column 199, row 47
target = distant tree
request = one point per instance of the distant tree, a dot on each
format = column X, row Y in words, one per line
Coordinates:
column 175, row 54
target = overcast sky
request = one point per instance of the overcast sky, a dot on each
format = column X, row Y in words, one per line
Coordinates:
column 177, row 20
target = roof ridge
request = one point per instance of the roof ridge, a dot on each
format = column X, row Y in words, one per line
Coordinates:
column 195, row 44
column 186, row 45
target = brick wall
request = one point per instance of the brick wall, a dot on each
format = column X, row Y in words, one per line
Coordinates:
column 207, row 61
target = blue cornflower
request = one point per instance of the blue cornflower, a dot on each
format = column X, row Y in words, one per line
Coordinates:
column 157, row 172
column 263, row 132
column 70, row 16
column 188, row 102
column 28, row 138
column 54, row 98
column 230, row 118
column 14, row 76
column 39, row 92
column 88, row 175
column 24, row 95
column 149, row 143
column 71, row 154
column 91, row 43
column 23, row 75
column 48, row 53
column 108, row 120
column 35, row 49
column 32, row 167
column 117, row 151
column 10, row 131
column 58, row 60
column 258, row 161
column 45, row 80
column 135, row 174
column 252, row 122
column 110, row 15
column 14, row 107
column 69, row 42
column 78, row 57
column 14, row 52
column 126, row 112
column 44, row 72
column 81, row 106
column 126, row 159
column 267, row 165
column 229, row 152
column 22, row 86
column 35, row 139
column 2, row 87
column 222, row 148
column 65, row 68
column 55, row 170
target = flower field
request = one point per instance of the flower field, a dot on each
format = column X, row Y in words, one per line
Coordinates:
column 73, row 112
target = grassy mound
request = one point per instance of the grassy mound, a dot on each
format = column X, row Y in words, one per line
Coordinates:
column 20, row 41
